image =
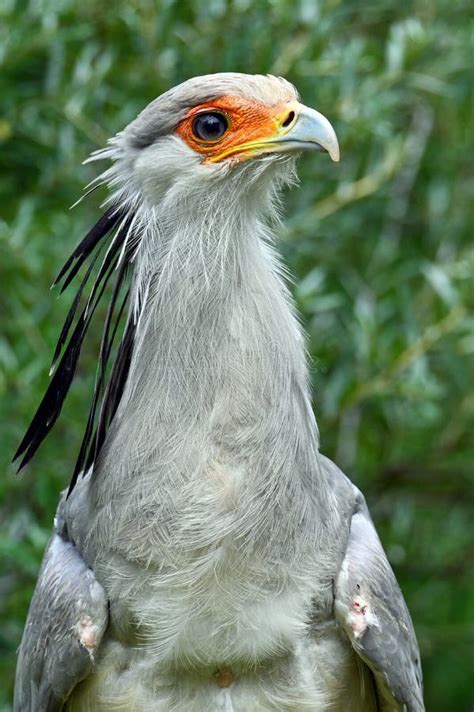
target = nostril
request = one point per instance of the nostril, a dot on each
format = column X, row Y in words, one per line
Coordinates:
column 289, row 119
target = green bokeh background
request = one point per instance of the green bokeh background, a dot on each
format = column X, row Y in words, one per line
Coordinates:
column 379, row 245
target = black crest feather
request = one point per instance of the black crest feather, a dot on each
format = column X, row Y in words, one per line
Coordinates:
column 111, row 229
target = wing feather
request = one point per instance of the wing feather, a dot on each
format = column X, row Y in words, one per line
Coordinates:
column 370, row 607
column 66, row 622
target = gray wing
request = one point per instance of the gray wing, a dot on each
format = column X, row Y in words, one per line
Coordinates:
column 67, row 618
column 370, row 607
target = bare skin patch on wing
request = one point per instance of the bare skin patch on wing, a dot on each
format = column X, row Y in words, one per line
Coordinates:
column 90, row 634
column 361, row 617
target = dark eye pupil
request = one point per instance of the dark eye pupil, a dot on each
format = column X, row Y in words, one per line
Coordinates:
column 210, row 127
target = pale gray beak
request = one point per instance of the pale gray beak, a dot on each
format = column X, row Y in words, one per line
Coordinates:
column 310, row 131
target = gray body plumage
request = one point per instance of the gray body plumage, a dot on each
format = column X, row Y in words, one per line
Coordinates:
column 213, row 560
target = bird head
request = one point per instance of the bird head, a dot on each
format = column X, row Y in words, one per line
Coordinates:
column 232, row 130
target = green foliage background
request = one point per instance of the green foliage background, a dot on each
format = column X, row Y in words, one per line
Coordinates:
column 379, row 246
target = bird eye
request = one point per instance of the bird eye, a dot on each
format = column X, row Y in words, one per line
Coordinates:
column 211, row 126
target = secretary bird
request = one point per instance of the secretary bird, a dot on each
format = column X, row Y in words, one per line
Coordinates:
column 206, row 557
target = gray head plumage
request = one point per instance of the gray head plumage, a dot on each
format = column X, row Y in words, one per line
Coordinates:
column 164, row 113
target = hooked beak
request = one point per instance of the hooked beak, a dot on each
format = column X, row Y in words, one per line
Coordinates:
column 307, row 131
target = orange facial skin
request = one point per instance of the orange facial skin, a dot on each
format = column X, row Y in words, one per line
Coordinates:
column 249, row 124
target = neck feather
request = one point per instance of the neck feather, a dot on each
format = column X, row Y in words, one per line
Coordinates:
column 218, row 381
column 217, row 319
